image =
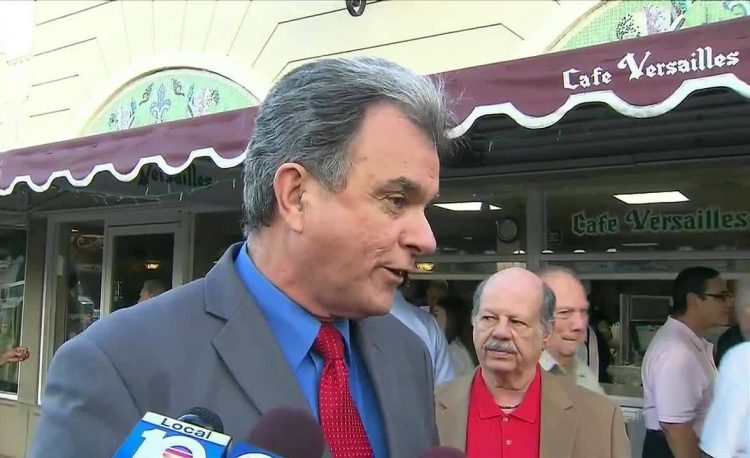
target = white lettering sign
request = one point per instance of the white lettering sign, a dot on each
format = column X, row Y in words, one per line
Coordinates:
column 639, row 66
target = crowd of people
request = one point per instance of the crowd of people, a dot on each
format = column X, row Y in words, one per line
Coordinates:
column 343, row 161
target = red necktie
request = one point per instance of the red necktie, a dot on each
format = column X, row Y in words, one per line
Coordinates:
column 339, row 418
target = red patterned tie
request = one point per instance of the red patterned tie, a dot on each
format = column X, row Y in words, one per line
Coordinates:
column 342, row 425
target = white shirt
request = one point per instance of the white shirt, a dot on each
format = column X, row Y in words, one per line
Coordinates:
column 726, row 431
column 589, row 354
column 583, row 375
column 678, row 376
column 424, row 325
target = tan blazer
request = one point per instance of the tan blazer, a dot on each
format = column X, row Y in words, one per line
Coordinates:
column 576, row 422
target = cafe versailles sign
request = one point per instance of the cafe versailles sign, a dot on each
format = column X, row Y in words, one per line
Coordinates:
column 701, row 60
column 650, row 221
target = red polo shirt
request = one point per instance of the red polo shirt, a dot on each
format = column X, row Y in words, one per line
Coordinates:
column 491, row 433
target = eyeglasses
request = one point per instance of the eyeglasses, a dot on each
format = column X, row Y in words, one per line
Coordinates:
column 722, row 297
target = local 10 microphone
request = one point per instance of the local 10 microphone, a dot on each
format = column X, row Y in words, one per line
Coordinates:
column 198, row 433
column 157, row 436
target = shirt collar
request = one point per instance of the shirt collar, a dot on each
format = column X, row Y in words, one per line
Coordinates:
column 294, row 327
column 548, row 362
column 527, row 410
column 680, row 328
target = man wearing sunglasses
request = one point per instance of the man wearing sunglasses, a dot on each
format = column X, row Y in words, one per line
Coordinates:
column 678, row 370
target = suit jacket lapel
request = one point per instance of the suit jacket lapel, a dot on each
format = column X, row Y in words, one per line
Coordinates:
column 246, row 344
column 452, row 411
column 373, row 347
column 559, row 422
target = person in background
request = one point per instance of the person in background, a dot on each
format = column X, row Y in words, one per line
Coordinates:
column 423, row 324
column 14, row 355
column 602, row 338
column 454, row 320
column 569, row 329
column 436, row 290
column 740, row 331
column 588, row 351
column 678, row 369
column 726, row 432
column 151, row 289
column 509, row 407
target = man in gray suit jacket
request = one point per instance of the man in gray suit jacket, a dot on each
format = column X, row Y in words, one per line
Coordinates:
column 343, row 161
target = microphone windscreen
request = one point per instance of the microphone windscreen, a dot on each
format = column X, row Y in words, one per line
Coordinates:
column 289, row 432
column 203, row 417
column 442, row 452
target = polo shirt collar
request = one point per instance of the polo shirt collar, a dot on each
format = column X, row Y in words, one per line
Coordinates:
column 527, row 411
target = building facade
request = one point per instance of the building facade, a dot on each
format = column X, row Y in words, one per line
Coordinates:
column 72, row 69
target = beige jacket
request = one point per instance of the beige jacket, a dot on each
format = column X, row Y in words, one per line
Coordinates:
column 576, row 422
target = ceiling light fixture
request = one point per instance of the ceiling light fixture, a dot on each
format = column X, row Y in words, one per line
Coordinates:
column 425, row 266
column 652, row 197
column 461, row 206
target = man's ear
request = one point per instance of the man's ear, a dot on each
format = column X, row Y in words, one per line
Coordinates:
column 289, row 188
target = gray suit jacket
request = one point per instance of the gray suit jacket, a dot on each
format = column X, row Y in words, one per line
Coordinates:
column 207, row 344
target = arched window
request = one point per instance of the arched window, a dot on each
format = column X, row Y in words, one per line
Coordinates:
column 630, row 19
column 169, row 95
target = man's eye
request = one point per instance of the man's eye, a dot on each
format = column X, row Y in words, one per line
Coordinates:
column 397, row 201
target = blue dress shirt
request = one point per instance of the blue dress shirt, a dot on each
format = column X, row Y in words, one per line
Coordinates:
column 295, row 331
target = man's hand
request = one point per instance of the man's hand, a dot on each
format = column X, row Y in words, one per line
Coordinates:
column 15, row 355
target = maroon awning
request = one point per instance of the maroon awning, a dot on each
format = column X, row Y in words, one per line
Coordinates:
column 642, row 77
column 172, row 146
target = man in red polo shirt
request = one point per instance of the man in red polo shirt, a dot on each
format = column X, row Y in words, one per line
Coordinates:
column 509, row 407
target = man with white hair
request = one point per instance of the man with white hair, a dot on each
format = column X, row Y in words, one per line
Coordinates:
column 740, row 331
column 569, row 328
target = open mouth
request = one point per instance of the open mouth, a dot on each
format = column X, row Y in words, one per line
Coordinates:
column 402, row 275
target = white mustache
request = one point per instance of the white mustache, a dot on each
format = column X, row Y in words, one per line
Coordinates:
column 501, row 345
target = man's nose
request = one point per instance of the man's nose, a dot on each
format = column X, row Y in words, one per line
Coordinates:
column 579, row 321
column 418, row 237
column 501, row 331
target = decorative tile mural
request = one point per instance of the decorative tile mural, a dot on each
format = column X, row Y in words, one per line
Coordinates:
column 170, row 95
column 637, row 18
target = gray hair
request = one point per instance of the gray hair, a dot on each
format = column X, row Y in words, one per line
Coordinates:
column 553, row 270
column 742, row 295
column 312, row 114
column 546, row 307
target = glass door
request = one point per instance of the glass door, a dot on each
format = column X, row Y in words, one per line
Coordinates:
column 141, row 262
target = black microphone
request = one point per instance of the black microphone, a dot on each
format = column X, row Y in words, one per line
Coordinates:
column 203, row 417
column 286, row 431
column 442, row 452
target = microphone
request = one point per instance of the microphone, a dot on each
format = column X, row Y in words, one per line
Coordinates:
column 159, row 436
column 442, row 452
column 285, row 432
column 203, row 417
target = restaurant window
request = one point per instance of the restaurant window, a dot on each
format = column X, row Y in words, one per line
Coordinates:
column 680, row 210
column 12, row 276
column 491, row 223
column 214, row 233
column 80, row 285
